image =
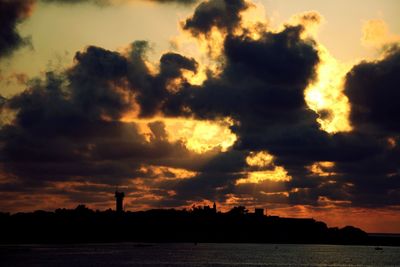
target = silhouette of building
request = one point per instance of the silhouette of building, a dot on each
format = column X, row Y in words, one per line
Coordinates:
column 119, row 201
column 207, row 209
column 259, row 212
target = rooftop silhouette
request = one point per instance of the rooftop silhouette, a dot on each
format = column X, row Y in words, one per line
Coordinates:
column 199, row 224
column 119, row 201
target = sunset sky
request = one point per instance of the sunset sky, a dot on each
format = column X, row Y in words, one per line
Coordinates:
column 281, row 104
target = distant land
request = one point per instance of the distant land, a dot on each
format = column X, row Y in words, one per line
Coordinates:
column 199, row 224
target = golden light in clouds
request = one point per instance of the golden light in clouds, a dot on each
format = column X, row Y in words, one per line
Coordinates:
column 311, row 21
column 325, row 96
column 208, row 48
column 321, row 168
column 263, row 159
column 205, row 135
column 278, row 174
column 254, row 21
column 330, row 203
column 161, row 172
column 233, row 200
column 6, row 116
column 196, row 78
column 260, row 159
column 199, row 136
column 282, row 194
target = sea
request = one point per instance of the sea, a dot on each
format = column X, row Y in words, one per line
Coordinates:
column 201, row 254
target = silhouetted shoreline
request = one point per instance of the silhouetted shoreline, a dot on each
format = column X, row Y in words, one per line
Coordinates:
column 198, row 225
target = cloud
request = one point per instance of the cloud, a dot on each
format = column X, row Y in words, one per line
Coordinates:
column 376, row 34
column 70, row 131
column 152, row 90
column 12, row 13
column 256, row 78
column 372, row 88
column 2, row 101
column 261, row 87
column 223, row 14
column 97, row 83
column 68, row 128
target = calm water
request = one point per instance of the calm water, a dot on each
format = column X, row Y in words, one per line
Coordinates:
column 131, row 254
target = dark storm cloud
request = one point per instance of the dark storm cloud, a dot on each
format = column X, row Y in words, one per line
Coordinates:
column 12, row 13
column 223, row 14
column 55, row 137
column 373, row 90
column 213, row 183
column 171, row 65
column 67, row 141
column 98, row 81
column 262, row 88
column 67, row 127
column 152, row 90
column 2, row 101
column 262, row 59
column 263, row 77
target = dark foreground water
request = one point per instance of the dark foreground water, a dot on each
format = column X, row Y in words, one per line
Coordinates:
column 173, row 254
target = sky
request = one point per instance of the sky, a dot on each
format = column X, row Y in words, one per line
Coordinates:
column 285, row 105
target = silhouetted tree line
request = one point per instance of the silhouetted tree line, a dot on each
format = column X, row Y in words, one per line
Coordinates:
column 200, row 224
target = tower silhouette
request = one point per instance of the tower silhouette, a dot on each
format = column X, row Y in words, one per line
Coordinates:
column 119, row 201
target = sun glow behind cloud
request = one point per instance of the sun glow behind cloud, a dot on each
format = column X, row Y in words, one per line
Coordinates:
column 254, row 21
column 322, row 168
column 166, row 173
column 325, row 96
column 198, row 136
column 278, row 174
column 260, row 159
column 208, row 48
column 266, row 170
